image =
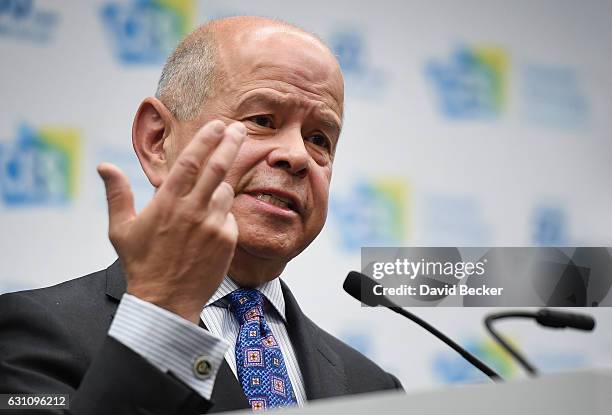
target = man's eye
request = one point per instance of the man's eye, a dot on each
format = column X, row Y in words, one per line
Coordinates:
column 319, row 140
column 263, row 121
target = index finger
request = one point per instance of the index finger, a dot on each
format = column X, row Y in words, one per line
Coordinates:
column 188, row 166
column 219, row 163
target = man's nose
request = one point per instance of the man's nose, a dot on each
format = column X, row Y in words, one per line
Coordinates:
column 290, row 154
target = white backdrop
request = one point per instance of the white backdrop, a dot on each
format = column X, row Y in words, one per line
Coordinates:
column 467, row 123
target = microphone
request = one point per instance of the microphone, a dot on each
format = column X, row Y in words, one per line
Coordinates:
column 357, row 283
column 544, row 317
column 562, row 319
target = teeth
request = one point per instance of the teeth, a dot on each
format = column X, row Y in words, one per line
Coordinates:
column 273, row 200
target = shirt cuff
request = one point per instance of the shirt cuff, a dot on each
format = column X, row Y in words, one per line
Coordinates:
column 169, row 342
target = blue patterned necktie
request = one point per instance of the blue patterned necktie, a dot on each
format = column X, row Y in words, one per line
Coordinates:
column 259, row 360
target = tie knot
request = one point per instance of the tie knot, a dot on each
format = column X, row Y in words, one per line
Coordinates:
column 246, row 304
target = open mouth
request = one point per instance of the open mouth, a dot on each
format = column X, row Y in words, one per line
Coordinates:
column 276, row 200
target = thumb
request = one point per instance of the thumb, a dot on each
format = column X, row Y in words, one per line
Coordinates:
column 118, row 195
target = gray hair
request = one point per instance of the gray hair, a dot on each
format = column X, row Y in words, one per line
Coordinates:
column 189, row 75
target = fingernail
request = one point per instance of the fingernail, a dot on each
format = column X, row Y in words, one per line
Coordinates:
column 102, row 173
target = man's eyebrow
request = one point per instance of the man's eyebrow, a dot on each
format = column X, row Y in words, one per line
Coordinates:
column 260, row 98
column 332, row 125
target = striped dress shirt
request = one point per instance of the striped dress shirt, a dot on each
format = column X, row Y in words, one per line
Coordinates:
column 173, row 344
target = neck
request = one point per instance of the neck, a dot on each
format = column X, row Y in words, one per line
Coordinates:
column 249, row 270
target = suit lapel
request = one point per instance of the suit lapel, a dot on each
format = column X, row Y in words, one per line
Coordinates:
column 322, row 369
column 115, row 281
column 227, row 394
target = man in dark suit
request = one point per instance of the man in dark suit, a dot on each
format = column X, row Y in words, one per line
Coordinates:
column 239, row 143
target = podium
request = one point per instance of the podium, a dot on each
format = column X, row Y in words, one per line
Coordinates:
column 575, row 393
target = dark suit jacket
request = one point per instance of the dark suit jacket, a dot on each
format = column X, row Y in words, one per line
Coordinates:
column 54, row 340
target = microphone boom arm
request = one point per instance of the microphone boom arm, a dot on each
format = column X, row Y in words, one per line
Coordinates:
column 545, row 317
column 513, row 351
column 464, row 353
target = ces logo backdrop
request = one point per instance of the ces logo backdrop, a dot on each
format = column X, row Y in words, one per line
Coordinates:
column 549, row 225
column 40, row 166
column 146, row 31
column 372, row 213
column 363, row 79
column 472, row 83
column 554, row 96
column 24, row 19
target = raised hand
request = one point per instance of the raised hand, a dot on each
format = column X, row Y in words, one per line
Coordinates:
column 178, row 249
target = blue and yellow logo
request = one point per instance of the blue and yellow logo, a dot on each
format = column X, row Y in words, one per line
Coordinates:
column 146, row 31
column 40, row 167
column 373, row 213
column 472, row 83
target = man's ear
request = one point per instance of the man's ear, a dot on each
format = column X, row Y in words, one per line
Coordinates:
column 153, row 124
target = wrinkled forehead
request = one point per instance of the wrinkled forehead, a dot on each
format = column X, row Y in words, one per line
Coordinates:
column 283, row 52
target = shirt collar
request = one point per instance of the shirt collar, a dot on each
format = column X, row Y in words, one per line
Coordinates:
column 271, row 290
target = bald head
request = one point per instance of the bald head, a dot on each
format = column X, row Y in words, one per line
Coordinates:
column 202, row 60
column 234, row 31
